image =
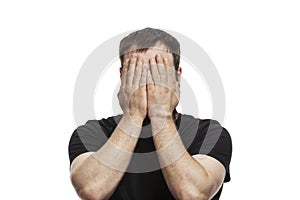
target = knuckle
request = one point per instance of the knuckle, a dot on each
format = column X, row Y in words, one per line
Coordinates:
column 127, row 90
column 133, row 60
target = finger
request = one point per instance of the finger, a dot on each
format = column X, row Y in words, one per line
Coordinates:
column 150, row 83
column 166, row 62
column 177, row 85
column 131, row 68
column 137, row 73
column 171, row 78
column 124, row 73
column 161, row 69
column 154, row 71
column 177, row 90
column 143, row 79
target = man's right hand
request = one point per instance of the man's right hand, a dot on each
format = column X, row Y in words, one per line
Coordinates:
column 132, row 94
column 97, row 175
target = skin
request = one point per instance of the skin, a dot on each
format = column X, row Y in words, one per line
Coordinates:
column 148, row 88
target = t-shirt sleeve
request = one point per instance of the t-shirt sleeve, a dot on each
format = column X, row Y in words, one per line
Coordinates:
column 213, row 140
column 87, row 138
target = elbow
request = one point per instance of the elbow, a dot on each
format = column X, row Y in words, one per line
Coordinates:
column 194, row 192
column 85, row 191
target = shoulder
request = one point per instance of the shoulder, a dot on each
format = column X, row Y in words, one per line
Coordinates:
column 204, row 135
column 90, row 136
column 211, row 139
column 105, row 125
column 94, row 131
column 203, row 125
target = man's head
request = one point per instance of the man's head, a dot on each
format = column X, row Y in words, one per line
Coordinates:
column 147, row 43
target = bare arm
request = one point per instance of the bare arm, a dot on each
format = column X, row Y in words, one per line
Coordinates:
column 187, row 177
column 96, row 175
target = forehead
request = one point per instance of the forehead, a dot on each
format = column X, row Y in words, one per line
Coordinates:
column 151, row 52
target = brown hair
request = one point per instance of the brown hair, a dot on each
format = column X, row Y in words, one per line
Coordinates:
column 146, row 38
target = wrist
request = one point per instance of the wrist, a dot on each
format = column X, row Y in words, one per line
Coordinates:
column 130, row 126
column 161, row 120
column 168, row 117
column 157, row 111
column 135, row 119
column 158, row 124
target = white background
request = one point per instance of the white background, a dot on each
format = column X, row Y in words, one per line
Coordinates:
column 254, row 44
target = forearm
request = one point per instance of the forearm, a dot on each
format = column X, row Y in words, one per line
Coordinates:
column 99, row 174
column 185, row 177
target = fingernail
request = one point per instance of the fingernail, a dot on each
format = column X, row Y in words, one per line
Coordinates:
column 125, row 61
column 158, row 55
column 134, row 55
column 139, row 62
column 141, row 59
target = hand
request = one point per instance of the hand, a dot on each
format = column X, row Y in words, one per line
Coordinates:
column 132, row 94
column 162, row 88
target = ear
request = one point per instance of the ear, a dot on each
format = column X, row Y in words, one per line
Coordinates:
column 179, row 72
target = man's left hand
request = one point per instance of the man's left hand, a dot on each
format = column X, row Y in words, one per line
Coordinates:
column 162, row 88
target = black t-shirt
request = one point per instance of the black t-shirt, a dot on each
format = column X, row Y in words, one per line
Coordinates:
column 199, row 137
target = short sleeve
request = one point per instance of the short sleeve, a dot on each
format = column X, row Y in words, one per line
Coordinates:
column 213, row 140
column 87, row 138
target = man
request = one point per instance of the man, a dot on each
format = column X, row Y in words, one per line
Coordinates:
column 103, row 153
